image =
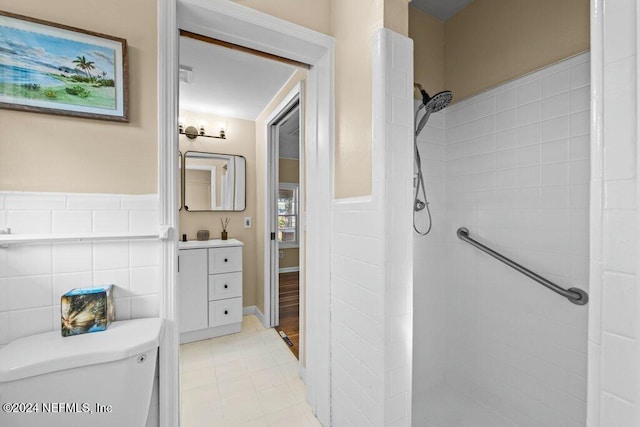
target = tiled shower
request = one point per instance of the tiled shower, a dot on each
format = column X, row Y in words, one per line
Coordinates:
column 492, row 347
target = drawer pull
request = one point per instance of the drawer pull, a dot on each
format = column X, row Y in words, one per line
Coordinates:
column 225, row 260
column 226, row 312
column 226, row 286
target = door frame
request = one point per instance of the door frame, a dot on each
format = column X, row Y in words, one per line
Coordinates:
column 271, row 247
column 233, row 23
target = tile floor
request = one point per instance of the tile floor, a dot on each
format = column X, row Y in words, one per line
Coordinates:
column 248, row 379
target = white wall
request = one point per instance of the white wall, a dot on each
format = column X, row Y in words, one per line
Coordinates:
column 516, row 161
column 371, row 286
column 517, row 178
column 614, row 308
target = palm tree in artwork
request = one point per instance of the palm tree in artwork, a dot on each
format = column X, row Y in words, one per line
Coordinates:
column 84, row 65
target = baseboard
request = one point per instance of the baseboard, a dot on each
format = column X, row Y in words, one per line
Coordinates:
column 288, row 269
column 252, row 309
column 205, row 334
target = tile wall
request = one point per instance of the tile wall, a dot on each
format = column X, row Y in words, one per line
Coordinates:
column 371, row 286
column 517, row 167
column 614, row 370
column 511, row 165
column 33, row 277
column 429, row 268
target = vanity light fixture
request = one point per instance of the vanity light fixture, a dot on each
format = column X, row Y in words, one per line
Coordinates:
column 192, row 132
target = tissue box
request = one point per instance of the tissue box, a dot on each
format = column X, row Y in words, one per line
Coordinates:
column 86, row 310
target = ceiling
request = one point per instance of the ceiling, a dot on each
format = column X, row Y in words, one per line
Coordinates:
column 227, row 82
column 441, row 9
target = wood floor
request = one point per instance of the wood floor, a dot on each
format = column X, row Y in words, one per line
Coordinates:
column 290, row 308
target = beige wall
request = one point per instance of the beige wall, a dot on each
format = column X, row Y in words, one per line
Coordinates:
column 353, row 85
column 396, row 16
column 199, row 184
column 314, row 14
column 289, row 170
column 427, row 33
column 493, row 41
column 241, row 140
column 41, row 152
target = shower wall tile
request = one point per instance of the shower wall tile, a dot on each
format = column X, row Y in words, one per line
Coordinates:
column 33, row 277
column 371, row 286
column 613, row 346
column 527, row 197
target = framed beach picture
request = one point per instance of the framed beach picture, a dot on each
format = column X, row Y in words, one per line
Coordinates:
column 56, row 69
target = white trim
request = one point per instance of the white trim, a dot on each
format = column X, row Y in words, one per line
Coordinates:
column 596, row 187
column 238, row 24
column 319, row 137
column 213, row 332
column 221, row 19
column 288, row 269
column 302, row 228
column 167, row 87
column 14, row 239
column 252, row 309
column 637, row 305
column 269, row 269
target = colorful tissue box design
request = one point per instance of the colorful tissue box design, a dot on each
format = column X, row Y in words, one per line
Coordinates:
column 87, row 310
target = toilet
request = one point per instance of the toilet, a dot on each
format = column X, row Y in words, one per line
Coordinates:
column 96, row 379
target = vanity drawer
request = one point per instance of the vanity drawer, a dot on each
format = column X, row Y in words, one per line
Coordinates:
column 227, row 285
column 226, row 311
column 225, row 260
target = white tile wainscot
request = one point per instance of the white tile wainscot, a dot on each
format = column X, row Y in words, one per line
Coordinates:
column 209, row 288
column 371, row 281
column 33, row 276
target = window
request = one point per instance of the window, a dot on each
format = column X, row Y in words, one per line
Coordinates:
column 288, row 215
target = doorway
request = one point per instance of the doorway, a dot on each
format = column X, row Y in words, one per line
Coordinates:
column 286, row 200
column 235, row 23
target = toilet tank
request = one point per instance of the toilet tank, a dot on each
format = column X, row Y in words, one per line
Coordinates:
column 99, row 379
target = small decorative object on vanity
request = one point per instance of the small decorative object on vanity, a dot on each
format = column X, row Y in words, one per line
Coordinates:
column 203, row 235
column 224, row 223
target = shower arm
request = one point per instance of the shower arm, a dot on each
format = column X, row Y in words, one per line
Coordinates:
column 574, row 295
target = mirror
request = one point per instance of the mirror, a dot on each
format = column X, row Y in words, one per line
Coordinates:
column 213, row 182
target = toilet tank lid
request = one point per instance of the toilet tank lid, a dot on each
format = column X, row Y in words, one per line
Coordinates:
column 50, row 352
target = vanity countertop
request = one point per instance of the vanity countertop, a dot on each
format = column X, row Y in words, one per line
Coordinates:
column 213, row 243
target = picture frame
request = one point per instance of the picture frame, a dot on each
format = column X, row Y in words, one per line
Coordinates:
column 52, row 68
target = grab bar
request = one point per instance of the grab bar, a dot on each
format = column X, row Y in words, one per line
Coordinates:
column 574, row 295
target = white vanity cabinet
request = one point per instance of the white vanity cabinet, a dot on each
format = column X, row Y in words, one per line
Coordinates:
column 209, row 288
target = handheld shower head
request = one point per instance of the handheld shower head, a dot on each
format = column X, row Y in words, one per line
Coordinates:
column 438, row 101
column 431, row 104
column 435, row 103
